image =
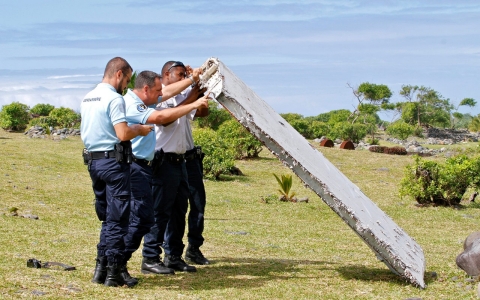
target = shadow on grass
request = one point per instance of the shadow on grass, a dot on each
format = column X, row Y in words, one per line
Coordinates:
column 244, row 273
column 225, row 272
column 5, row 138
column 359, row 272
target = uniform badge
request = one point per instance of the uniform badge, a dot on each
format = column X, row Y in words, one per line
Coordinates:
column 141, row 107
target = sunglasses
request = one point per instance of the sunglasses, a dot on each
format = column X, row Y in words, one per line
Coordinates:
column 177, row 64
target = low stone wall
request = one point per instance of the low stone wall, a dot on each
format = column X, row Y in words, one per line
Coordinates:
column 38, row 132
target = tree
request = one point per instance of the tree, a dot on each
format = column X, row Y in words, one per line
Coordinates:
column 371, row 98
column 14, row 116
column 456, row 117
column 424, row 106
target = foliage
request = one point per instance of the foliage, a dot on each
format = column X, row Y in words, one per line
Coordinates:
column 14, row 116
column 289, row 117
column 424, row 107
column 64, row 117
column 372, row 141
column 430, row 182
column 244, row 144
column 334, row 116
column 42, row 109
column 474, row 125
column 216, row 116
column 44, row 122
column 219, row 157
column 347, row 131
column 400, row 130
column 285, row 183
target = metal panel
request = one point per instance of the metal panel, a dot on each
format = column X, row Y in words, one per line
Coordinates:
column 387, row 240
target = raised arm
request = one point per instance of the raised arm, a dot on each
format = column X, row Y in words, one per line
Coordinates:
column 177, row 87
column 166, row 116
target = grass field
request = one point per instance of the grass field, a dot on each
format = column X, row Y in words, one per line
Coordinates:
column 274, row 250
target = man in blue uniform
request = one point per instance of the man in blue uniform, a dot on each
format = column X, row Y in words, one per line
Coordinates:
column 106, row 137
column 170, row 183
column 139, row 102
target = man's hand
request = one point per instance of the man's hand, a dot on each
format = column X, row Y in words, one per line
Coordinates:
column 201, row 103
column 196, row 74
column 142, row 130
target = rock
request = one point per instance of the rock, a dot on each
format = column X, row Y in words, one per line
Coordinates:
column 469, row 259
column 305, row 199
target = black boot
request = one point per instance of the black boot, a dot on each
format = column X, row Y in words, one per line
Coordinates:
column 114, row 278
column 154, row 266
column 100, row 272
column 177, row 263
column 194, row 255
column 129, row 280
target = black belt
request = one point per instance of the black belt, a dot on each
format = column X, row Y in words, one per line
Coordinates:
column 174, row 157
column 142, row 161
column 102, row 154
column 191, row 154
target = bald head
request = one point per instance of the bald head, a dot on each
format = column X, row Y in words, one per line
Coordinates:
column 117, row 64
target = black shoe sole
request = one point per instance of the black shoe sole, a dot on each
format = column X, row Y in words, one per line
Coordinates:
column 156, row 273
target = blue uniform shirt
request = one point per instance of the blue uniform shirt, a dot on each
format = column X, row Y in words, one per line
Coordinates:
column 101, row 109
column 137, row 112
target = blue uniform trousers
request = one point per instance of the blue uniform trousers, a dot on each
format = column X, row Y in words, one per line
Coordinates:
column 141, row 206
column 170, row 197
column 111, row 186
column 197, row 201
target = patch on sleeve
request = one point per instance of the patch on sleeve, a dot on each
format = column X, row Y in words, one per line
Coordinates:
column 141, row 107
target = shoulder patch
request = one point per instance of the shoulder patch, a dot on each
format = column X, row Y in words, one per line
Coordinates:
column 141, row 107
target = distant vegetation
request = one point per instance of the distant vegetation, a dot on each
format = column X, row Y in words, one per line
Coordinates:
column 17, row 117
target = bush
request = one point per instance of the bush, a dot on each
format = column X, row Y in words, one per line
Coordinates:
column 64, row 117
column 14, row 116
column 239, row 139
column 347, row 131
column 44, row 122
column 216, row 116
column 372, row 141
column 219, row 157
column 400, row 130
column 42, row 109
column 429, row 182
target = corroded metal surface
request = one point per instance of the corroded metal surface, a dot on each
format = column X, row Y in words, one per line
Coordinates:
column 387, row 240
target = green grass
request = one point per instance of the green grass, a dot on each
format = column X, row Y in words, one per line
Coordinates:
column 274, row 250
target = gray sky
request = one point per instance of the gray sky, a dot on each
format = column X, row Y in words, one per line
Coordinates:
column 297, row 55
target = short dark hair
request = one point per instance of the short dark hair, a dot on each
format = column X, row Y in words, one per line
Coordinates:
column 115, row 64
column 168, row 65
column 146, row 78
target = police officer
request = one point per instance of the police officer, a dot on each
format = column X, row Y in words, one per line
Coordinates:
column 106, row 137
column 139, row 102
column 170, row 183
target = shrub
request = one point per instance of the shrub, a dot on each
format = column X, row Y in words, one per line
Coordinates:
column 219, row 157
column 347, row 131
column 240, row 139
column 216, row 116
column 429, row 182
column 44, row 122
column 400, row 130
column 14, row 116
column 372, row 141
column 42, row 109
column 64, row 117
